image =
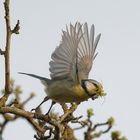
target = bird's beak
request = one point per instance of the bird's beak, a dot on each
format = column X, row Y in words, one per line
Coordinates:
column 101, row 94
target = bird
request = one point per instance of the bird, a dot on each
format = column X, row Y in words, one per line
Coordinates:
column 70, row 65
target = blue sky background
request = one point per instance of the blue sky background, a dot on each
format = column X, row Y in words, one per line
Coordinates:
column 117, row 65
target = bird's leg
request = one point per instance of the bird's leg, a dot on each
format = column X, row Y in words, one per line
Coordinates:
column 53, row 102
column 45, row 99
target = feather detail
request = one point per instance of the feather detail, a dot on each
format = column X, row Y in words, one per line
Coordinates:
column 63, row 58
column 44, row 81
column 86, row 51
column 73, row 58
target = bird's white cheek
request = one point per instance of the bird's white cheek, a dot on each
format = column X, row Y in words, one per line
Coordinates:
column 90, row 87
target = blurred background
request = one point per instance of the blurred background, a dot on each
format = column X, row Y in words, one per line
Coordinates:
column 117, row 65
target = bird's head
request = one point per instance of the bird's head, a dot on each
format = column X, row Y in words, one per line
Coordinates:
column 93, row 88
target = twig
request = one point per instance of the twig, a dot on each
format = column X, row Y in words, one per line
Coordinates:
column 28, row 99
column 7, row 48
column 16, row 111
column 2, row 52
column 68, row 112
column 36, row 126
column 98, row 125
column 16, row 28
column 6, row 53
column 25, row 114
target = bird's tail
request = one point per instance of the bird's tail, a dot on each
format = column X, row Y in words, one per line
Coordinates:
column 42, row 79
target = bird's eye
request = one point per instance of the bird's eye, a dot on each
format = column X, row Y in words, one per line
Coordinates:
column 95, row 85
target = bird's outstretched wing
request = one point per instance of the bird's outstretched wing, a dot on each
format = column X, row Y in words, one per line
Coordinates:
column 63, row 58
column 74, row 56
column 86, row 51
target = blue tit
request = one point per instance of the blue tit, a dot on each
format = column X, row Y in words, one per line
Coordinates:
column 69, row 68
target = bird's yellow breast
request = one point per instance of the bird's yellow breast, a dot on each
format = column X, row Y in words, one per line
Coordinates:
column 66, row 91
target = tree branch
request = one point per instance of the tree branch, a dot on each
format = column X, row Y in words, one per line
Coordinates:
column 7, row 48
column 25, row 114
